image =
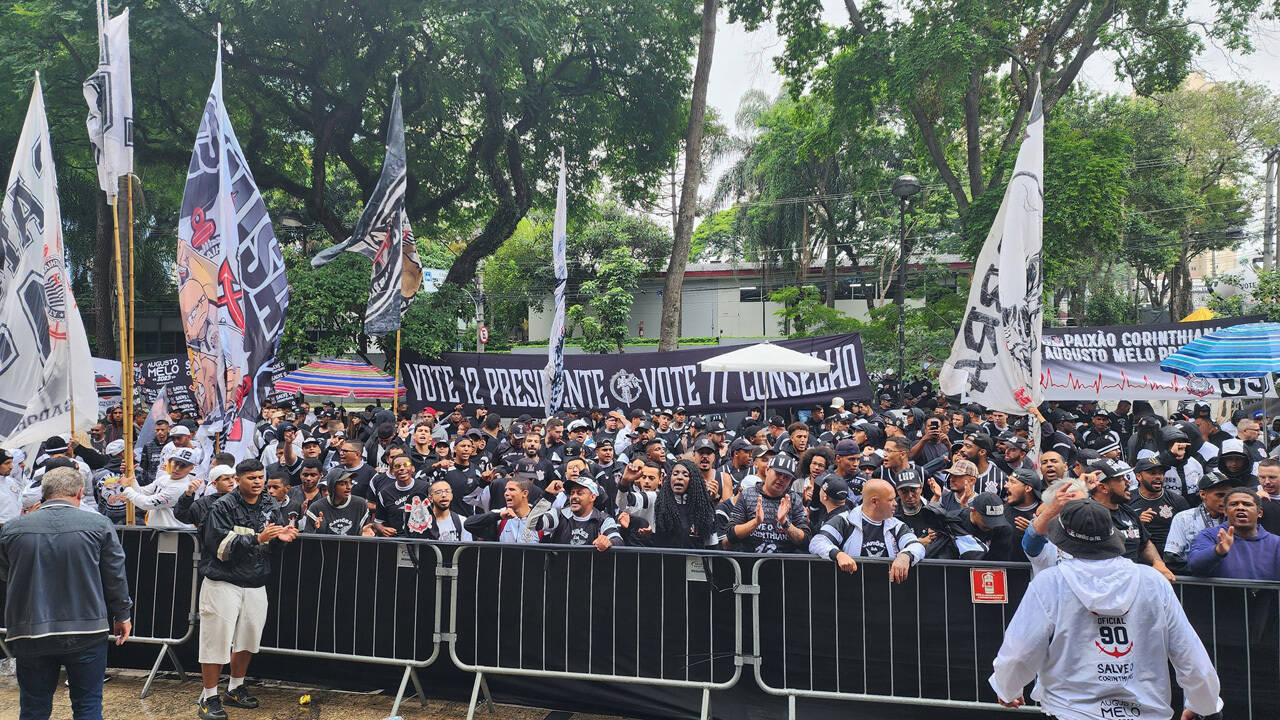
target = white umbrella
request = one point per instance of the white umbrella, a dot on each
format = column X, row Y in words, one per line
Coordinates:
column 764, row 357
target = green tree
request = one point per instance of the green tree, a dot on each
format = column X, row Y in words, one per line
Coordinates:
column 603, row 322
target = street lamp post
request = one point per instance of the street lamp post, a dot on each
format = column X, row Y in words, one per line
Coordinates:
column 904, row 186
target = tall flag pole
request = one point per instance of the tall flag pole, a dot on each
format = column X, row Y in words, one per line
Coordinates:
column 384, row 235
column 232, row 288
column 45, row 378
column 109, row 94
column 553, row 374
column 995, row 358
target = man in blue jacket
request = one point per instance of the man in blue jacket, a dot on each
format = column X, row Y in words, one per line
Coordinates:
column 1238, row 548
column 66, row 589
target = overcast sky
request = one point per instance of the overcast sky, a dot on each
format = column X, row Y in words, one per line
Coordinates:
column 744, row 61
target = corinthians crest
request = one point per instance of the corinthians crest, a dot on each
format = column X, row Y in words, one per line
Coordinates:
column 625, row 387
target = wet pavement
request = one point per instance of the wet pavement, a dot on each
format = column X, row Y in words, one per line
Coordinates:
column 171, row 698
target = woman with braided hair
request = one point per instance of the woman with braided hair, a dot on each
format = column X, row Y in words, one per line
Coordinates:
column 684, row 515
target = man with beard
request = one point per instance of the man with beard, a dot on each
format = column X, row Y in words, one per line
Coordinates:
column 1183, row 471
column 1015, row 454
column 924, row 520
column 608, row 470
column 719, row 484
column 832, row 499
column 1249, row 435
column 1021, row 503
column 1155, row 505
column 553, row 442
column 1112, row 491
column 445, row 525
column 579, row 523
column 977, row 448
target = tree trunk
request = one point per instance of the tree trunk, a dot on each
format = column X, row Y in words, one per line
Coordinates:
column 104, row 281
column 669, row 334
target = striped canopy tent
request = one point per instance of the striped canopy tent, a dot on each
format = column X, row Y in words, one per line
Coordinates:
column 340, row 379
column 1250, row 350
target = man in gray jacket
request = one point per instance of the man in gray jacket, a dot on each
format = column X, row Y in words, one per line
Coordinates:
column 66, row 590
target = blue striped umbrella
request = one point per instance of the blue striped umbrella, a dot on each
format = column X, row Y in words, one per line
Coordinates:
column 1241, row 351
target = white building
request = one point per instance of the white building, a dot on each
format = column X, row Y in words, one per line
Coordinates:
column 724, row 299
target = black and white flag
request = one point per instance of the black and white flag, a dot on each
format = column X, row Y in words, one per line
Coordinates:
column 384, row 235
column 46, row 371
column 996, row 357
column 109, row 92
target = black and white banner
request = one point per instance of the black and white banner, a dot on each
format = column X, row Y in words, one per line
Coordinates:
column 514, row 383
column 1123, row 363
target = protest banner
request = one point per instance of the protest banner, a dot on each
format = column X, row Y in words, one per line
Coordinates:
column 1123, row 363
column 514, row 383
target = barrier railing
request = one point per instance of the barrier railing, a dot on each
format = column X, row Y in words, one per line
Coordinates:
column 357, row 599
column 625, row 615
column 162, row 570
column 822, row 633
column 632, row 615
column 1240, row 626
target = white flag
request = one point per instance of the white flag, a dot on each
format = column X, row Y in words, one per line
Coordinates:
column 45, row 365
column 109, row 92
column 996, row 357
column 553, row 373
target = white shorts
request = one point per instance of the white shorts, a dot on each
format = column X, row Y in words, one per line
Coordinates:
column 231, row 620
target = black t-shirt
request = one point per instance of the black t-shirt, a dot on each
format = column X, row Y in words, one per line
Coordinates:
column 1131, row 530
column 361, row 478
column 347, row 519
column 1165, row 507
column 873, row 539
column 405, row 509
column 1011, row 513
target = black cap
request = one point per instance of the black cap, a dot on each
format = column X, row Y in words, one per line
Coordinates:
column 604, row 442
column 991, row 508
column 777, row 421
column 1149, row 463
column 835, row 487
column 311, row 440
column 704, row 443
column 982, row 440
column 1111, row 468
column 1214, row 479
column 872, row 461
column 739, row 444
column 1202, row 410
column 848, row 446
column 783, row 463
column 908, row 477
column 386, row 430
column 287, row 427
column 471, row 433
column 680, row 410
column 759, row 450
column 715, row 426
column 1031, row 479
column 1084, row 529
column 1102, row 413
column 698, row 422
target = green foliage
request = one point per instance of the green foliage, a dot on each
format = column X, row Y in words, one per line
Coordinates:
column 603, row 321
column 1264, row 300
column 1107, row 305
column 519, row 276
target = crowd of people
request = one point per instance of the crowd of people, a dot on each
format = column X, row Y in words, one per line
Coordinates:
column 903, row 480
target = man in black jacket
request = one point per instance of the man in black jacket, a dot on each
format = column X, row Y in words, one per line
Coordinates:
column 61, row 564
column 241, row 532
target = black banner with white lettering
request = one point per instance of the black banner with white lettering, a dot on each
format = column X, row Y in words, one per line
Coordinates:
column 513, row 383
column 152, row 376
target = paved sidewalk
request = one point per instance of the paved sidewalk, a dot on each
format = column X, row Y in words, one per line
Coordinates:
column 171, row 699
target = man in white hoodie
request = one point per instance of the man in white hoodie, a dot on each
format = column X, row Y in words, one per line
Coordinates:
column 160, row 497
column 1095, row 650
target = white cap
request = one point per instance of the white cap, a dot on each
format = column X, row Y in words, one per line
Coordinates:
column 115, row 447
column 837, row 402
column 218, row 471
column 1234, row 445
column 180, row 429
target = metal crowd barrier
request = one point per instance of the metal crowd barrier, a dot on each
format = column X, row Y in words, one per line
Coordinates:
column 161, row 567
column 822, row 633
column 1240, row 627
column 357, row 599
column 625, row 615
